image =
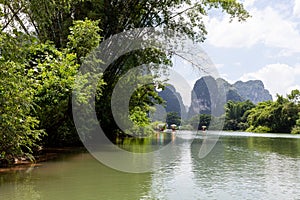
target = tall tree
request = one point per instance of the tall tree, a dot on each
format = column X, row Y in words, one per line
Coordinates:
column 236, row 114
column 19, row 126
column 51, row 20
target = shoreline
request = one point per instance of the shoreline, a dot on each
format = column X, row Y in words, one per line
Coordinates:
column 44, row 155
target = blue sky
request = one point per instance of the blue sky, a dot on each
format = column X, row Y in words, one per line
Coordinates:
column 265, row 47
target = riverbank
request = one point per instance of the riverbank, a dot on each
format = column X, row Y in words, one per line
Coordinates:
column 44, row 155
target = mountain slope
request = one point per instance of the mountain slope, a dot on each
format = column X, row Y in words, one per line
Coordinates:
column 206, row 95
column 254, row 90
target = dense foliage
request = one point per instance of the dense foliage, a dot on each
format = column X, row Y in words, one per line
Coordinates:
column 278, row 117
column 197, row 121
column 36, row 85
column 18, row 127
column 43, row 44
column 236, row 114
column 173, row 118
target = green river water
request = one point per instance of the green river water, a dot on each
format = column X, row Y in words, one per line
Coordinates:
column 240, row 166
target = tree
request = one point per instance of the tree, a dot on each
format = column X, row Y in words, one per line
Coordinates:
column 84, row 37
column 277, row 117
column 48, row 20
column 200, row 120
column 49, row 75
column 52, row 20
column 173, row 118
column 296, row 128
column 236, row 114
column 19, row 127
column 54, row 73
column 149, row 14
column 294, row 96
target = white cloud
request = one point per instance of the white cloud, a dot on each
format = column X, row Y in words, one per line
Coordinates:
column 277, row 78
column 219, row 66
column 227, row 78
column 237, row 63
column 267, row 26
column 296, row 9
column 248, row 3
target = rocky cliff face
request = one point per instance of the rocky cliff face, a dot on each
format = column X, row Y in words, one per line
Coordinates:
column 207, row 97
column 207, row 94
column 231, row 92
column 253, row 90
column 173, row 103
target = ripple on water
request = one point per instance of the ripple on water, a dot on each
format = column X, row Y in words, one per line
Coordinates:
column 240, row 166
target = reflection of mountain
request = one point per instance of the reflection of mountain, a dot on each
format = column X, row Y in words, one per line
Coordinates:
column 207, row 94
column 173, row 101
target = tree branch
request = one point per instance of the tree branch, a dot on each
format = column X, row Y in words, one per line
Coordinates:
column 14, row 14
column 18, row 18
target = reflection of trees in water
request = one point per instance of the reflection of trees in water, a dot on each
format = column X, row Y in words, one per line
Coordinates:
column 83, row 177
column 237, row 161
column 147, row 144
column 283, row 146
column 231, row 163
column 20, row 185
column 240, row 152
column 26, row 190
column 136, row 145
column 77, row 178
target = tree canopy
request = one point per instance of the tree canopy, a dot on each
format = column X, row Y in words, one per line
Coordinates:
column 236, row 114
column 50, row 20
column 43, row 44
column 276, row 117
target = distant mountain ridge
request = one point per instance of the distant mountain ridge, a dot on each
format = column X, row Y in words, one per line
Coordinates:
column 211, row 93
column 254, row 90
column 208, row 88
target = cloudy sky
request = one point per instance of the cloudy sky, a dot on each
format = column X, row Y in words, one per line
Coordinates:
column 265, row 47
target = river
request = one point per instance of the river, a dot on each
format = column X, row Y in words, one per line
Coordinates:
column 239, row 166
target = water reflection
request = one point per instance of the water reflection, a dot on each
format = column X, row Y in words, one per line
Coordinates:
column 79, row 177
column 283, row 146
column 236, row 168
column 21, row 186
column 147, row 144
column 254, row 168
